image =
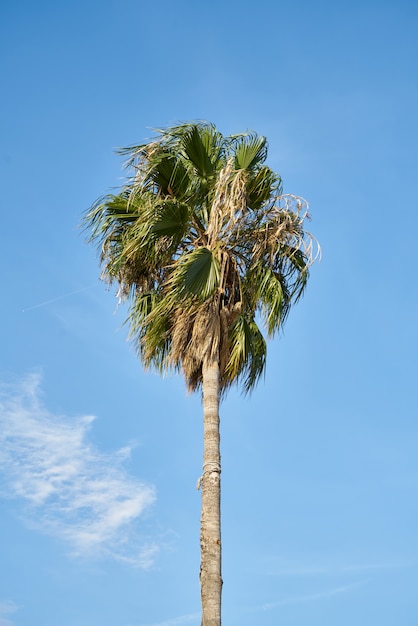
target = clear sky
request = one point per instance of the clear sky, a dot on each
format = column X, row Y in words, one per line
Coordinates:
column 98, row 459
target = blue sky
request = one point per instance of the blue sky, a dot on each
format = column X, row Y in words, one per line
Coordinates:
column 98, row 459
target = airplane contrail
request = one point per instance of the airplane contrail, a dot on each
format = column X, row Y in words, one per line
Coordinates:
column 46, row 302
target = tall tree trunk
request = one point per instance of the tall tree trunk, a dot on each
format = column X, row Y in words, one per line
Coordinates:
column 210, row 526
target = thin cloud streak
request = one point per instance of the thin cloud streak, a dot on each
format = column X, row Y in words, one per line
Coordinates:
column 177, row 621
column 7, row 607
column 61, row 297
column 336, row 570
column 312, row 597
column 302, row 599
column 73, row 490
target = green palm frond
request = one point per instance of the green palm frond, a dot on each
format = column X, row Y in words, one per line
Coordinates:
column 292, row 264
column 107, row 213
column 250, row 151
column 272, row 299
column 198, row 150
column 248, row 352
column 195, row 275
column 149, row 319
column 170, row 220
column 267, row 291
column 169, row 174
column 262, row 187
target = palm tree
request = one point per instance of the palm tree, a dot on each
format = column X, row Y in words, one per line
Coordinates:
column 204, row 245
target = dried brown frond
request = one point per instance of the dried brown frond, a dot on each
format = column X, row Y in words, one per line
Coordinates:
column 299, row 207
column 284, row 225
column 199, row 336
column 194, row 340
column 229, row 204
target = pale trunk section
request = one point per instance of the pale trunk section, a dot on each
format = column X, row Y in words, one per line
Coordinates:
column 210, row 528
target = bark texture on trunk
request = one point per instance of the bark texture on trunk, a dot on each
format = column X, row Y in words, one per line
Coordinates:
column 210, row 527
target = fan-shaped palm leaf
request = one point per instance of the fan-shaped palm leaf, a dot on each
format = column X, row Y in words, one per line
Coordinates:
column 195, row 275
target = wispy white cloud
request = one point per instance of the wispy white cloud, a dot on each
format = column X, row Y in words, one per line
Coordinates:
column 74, row 491
column 7, row 608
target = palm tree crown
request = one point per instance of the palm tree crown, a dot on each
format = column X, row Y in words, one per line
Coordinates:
column 204, row 244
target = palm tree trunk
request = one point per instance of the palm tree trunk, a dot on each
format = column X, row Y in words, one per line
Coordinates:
column 210, row 526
